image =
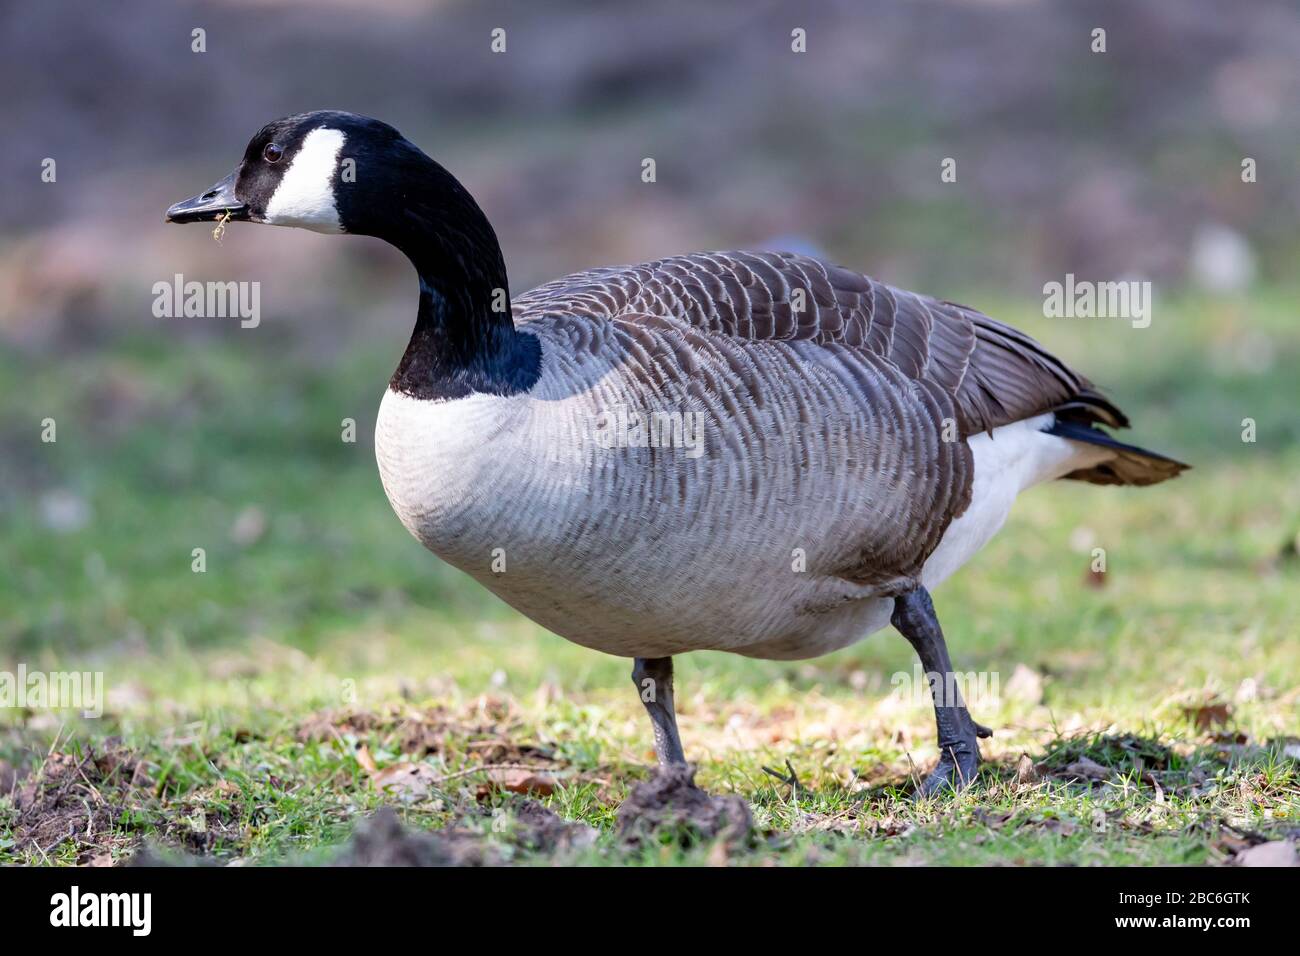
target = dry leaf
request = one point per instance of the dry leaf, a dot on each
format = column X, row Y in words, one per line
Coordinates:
column 1210, row 714
column 366, row 761
column 1276, row 853
column 994, row 821
column 521, row 781
column 413, row 780
column 1087, row 769
column 1026, row 772
column 1231, row 842
column 1160, row 791
column 1063, row 827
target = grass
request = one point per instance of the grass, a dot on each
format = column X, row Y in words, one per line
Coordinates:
column 1149, row 717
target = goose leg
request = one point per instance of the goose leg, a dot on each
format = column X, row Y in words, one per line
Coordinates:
column 653, row 677
column 959, row 752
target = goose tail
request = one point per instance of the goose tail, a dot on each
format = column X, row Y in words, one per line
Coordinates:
column 1130, row 465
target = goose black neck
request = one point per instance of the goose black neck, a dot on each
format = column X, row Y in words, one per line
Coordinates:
column 464, row 339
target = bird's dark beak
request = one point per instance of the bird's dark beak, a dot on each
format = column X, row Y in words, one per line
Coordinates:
column 211, row 205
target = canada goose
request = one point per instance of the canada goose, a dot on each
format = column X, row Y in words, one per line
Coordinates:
column 861, row 443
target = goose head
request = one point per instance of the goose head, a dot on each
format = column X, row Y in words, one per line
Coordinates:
column 336, row 172
column 327, row 171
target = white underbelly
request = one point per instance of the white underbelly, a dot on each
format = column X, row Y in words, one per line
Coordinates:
column 467, row 479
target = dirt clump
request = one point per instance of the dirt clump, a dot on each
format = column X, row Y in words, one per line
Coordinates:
column 670, row 805
column 526, row 825
column 540, row 829
column 208, row 819
column 382, row 840
column 79, row 799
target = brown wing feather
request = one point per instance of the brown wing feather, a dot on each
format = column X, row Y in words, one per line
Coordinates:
column 917, row 363
column 995, row 374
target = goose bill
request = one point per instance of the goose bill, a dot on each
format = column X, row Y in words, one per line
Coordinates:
column 210, row 205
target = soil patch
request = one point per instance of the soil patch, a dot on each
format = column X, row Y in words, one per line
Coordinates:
column 78, row 799
column 383, row 840
column 670, row 806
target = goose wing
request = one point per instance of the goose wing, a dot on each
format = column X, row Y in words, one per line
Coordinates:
column 994, row 373
column 842, row 391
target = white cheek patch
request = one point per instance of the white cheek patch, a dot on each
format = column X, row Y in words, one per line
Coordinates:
column 305, row 196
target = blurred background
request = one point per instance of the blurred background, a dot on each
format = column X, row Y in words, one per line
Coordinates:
column 174, row 434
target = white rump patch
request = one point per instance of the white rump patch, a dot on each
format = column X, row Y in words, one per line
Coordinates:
column 305, row 196
column 1014, row 458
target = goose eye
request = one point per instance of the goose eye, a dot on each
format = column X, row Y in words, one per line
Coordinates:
column 272, row 153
